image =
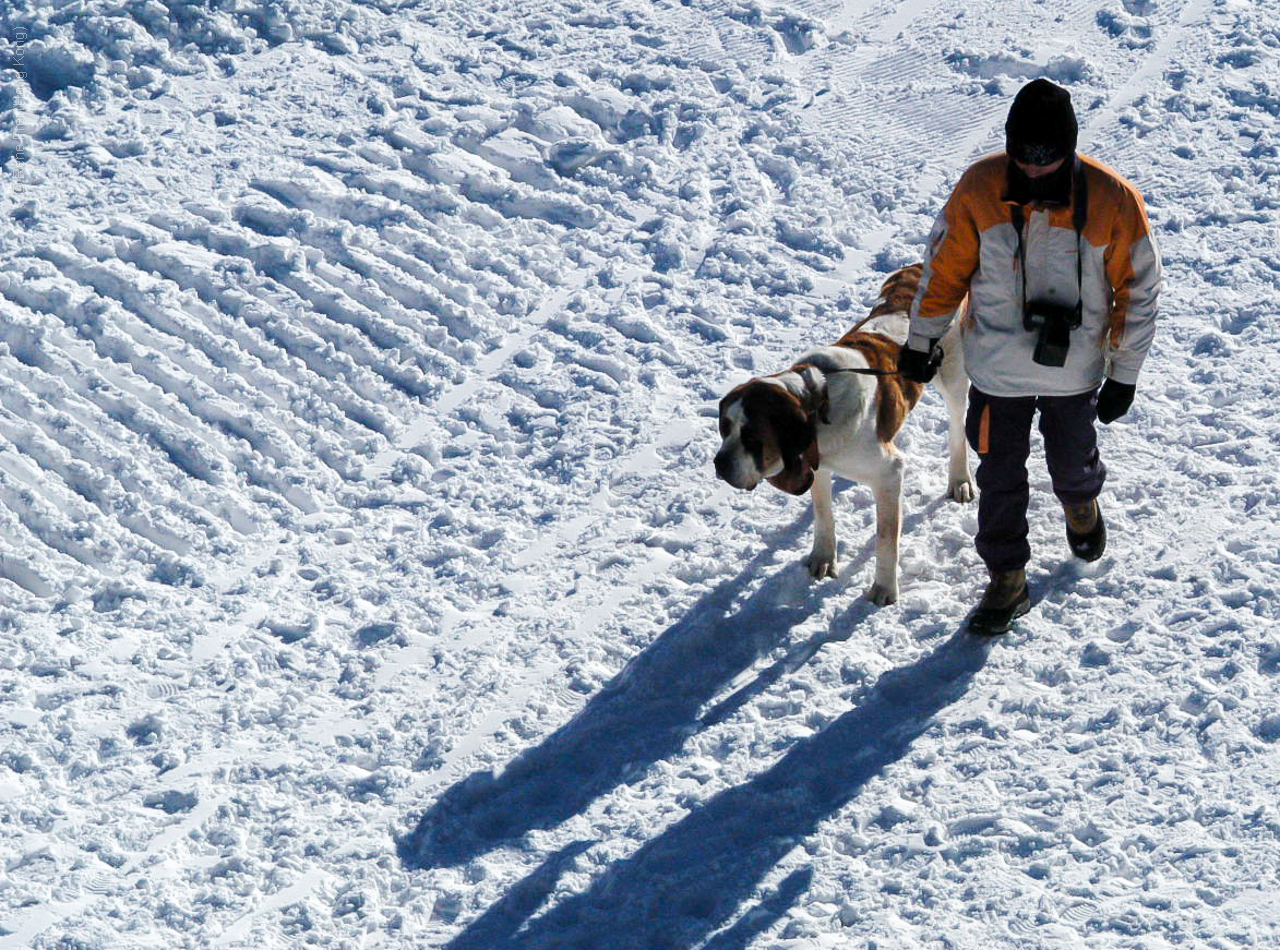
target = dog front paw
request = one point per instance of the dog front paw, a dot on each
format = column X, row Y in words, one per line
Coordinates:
column 961, row 490
column 882, row 595
column 821, row 563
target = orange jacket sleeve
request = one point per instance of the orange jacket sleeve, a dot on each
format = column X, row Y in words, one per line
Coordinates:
column 1134, row 273
column 950, row 262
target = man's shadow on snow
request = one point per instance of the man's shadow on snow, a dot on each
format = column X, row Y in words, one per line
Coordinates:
column 691, row 880
column 646, row 713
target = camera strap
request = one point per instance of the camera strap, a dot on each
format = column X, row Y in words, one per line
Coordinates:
column 1079, row 215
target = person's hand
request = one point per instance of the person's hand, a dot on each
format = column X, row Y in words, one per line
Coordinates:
column 1114, row 400
column 917, row 366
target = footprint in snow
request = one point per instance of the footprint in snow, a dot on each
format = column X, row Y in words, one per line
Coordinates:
column 290, row 632
column 171, row 802
column 373, row 633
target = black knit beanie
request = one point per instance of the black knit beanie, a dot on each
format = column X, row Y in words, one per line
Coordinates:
column 1042, row 125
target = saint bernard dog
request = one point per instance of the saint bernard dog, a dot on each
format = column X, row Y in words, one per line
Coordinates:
column 827, row 415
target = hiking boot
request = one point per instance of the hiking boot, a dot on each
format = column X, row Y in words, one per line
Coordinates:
column 1086, row 531
column 1006, row 599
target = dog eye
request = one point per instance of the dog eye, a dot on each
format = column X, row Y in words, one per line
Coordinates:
column 750, row 443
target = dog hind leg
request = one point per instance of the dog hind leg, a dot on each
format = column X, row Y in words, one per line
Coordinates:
column 955, row 386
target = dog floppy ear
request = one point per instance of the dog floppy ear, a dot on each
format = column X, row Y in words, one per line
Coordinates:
column 797, row 436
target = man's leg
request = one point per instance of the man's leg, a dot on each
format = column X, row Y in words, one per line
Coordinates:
column 1071, row 451
column 1071, row 446
column 999, row 431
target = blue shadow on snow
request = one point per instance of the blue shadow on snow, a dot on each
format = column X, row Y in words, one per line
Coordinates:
column 683, row 885
column 644, row 715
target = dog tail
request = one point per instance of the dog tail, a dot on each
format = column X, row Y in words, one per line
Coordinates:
column 896, row 294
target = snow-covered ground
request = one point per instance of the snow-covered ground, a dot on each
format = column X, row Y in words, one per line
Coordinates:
column 363, row 577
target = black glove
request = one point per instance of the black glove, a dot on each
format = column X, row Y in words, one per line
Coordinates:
column 916, row 366
column 1114, row 400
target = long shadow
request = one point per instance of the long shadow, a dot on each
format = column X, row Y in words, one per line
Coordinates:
column 772, row 908
column 645, row 714
column 683, row 885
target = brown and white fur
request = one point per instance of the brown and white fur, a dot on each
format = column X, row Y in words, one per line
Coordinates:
column 797, row 428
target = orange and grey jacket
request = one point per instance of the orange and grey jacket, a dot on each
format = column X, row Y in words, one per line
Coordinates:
column 973, row 250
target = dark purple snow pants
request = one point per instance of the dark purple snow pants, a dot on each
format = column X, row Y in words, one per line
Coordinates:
column 999, row 430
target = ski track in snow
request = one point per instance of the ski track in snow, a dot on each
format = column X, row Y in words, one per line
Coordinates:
column 362, row 575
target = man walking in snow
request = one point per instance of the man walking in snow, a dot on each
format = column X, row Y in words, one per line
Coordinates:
column 1062, row 274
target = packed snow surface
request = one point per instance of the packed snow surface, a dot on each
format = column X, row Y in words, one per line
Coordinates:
column 364, row 581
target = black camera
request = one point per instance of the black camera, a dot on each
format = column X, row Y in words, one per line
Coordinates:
column 1054, row 323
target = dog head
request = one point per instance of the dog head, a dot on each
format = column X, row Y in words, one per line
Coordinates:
column 767, row 433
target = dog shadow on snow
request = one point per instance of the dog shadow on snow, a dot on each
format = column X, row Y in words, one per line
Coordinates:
column 687, row 882
column 644, row 714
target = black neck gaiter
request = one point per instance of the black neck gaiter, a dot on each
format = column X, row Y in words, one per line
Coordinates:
column 1054, row 188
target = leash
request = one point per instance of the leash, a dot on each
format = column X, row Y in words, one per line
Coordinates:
column 815, row 401
column 935, row 361
column 864, row 372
